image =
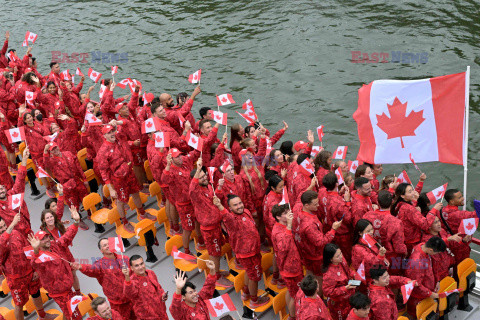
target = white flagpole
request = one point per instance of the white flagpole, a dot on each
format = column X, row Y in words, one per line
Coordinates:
column 465, row 150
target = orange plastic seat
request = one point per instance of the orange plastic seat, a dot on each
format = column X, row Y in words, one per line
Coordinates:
column 114, row 218
column 144, row 198
column 81, row 156
column 89, row 203
column 5, row 287
column 148, row 171
column 143, row 227
column 267, row 263
column 425, row 308
column 176, row 241
column 466, row 272
column 162, row 219
column 279, row 305
column 445, row 305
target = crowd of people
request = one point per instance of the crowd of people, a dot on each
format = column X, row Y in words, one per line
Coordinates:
column 259, row 199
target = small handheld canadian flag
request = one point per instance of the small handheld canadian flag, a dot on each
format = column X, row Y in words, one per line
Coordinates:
column 151, row 125
column 219, row 117
column 361, row 271
column 181, row 119
column 65, row 75
column 162, row 139
column 316, row 150
column 250, row 116
column 75, row 301
column 211, row 173
column 407, row 291
column 124, row 83
column 285, row 199
column 468, row 226
column 449, row 292
column 42, row 173
column 94, row 75
column 413, row 161
column 220, row 305
column 437, row 193
column 51, row 137
column 224, row 99
column 339, row 175
column 102, row 90
column 79, row 72
column 179, row 255
column 403, row 178
column 15, row 134
column 25, row 43
column 225, row 165
column 194, row 141
column 29, row 97
column 44, row 257
column 195, row 77
column 15, row 200
column 147, row 98
column 114, row 70
column 31, row 37
column 369, row 240
column 340, row 153
column 133, row 84
column 115, row 244
column 352, row 166
column 92, row 120
column 306, row 167
column 320, row 132
column 29, row 253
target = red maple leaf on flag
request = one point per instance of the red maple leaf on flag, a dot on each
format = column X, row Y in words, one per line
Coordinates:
column 76, row 300
column 469, row 226
column 340, row 152
column 409, row 291
column 149, row 124
column 224, row 99
column 399, row 125
column 218, row 306
column 218, row 117
column 158, row 139
column 439, row 194
column 195, row 77
column 193, row 140
column 15, row 134
column 16, row 201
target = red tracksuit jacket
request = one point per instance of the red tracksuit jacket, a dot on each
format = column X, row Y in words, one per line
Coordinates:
column 334, row 281
column 360, row 206
column 271, row 199
column 113, row 159
column 383, row 306
column 310, row 308
column 286, row 252
column 420, row 268
column 12, row 258
column 414, row 222
column 206, row 213
column 157, row 161
column 242, row 233
column 454, row 217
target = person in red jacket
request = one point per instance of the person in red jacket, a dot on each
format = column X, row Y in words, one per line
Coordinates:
column 104, row 312
column 183, row 99
column 3, row 58
column 414, row 222
column 388, row 230
column 230, row 183
column 383, row 305
column 56, row 275
column 335, row 282
column 209, row 217
column 209, row 136
column 286, row 253
column 108, row 103
column 173, row 115
column 245, row 241
column 420, row 268
column 176, row 141
column 114, row 161
column 67, row 138
column 451, row 214
column 177, row 176
column 6, row 213
column 361, row 202
column 108, row 272
column 236, row 136
column 187, row 303
column 339, row 208
column 302, row 181
column 323, row 163
column 308, row 234
column 21, row 278
column 143, row 289
column 360, row 305
column 308, row 301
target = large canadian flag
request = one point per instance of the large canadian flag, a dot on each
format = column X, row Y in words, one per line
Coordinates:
column 424, row 117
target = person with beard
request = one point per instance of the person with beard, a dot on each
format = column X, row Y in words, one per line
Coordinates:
column 103, row 311
column 172, row 118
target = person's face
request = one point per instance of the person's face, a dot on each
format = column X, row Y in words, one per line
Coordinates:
column 104, row 248
column 178, row 161
column 29, row 119
column 191, row 296
column 110, row 137
column 49, row 220
column 138, row 267
column 365, row 190
column 349, row 181
column 68, row 84
column 123, row 111
column 279, row 188
column 90, row 107
column 383, row 280
column 160, row 112
column 56, row 68
column 202, row 179
column 52, row 89
column 458, row 199
column 363, row 313
column 343, row 166
column 236, row 205
column 230, row 173
column 278, row 155
column 436, row 226
column 168, row 102
column 283, row 218
column 409, row 194
column 45, row 242
column 3, row 192
column 338, row 257
column 250, row 132
column 377, row 169
column 56, row 152
column 206, row 128
column 368, row 174
column 55, row 127
column 3, row 226
column 82, row 97
column 312, row 206
column 53, row 206
column 368, row 230
column 36, row 112
column 104, row 311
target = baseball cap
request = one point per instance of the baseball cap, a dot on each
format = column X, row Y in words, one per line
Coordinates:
column 107, row 129
column 299, row 145
column 174, row 152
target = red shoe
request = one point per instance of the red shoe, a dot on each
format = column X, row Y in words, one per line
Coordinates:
column 280, row 283
column 224, row 282
column 261, row 301
column 148, row 216
column 129, row 228
column 201, row 247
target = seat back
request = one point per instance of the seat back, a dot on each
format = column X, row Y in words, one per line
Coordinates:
column 466, row 275
column 131, row 203
column 447, row 304
column 156, row 191
column 5, row 287
column 10, row 315
column 148, row 171
column 425, row 307
column 113, row 216
column 239, row 281
column 175, row 241
column 84, row 307
column 90, row 201
column 82, row 155
column 279, row 303
column 143, row 227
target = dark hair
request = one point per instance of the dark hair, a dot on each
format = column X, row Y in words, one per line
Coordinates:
column 278, row 210
column 308, row 196
column 273, row 182
column 202, row 122
column 359, row 301
column 231, row 197
column 181, row 95
column 361, row 225
column 50, row 83
column 309, row 285
column 301, row 157
column 96, row 302
column 328, row 252
column 449, row 194
column 28, row 78
column 134, row 258
column 269, row 174
column 58, row 224
column 377, row 271
column 437, row 244
column 100, row 240
column 52, row 64
column 188, row 284
column 234, row 133
column 423, row 202
column 321, row 160
column 204, row 111
column 385, row 199
column 286, row 147
column 329, row 181
column 400, row 191
column 360, row 181
column 247, row 130
column 192, row 173
column 154, row 105
column 49, row 201
column 227, row 317
column 386, row 181
column 361, row 170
